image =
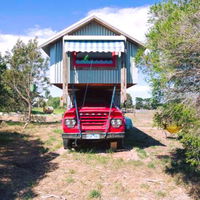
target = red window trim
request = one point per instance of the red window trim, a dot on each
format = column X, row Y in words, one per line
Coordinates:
column 114, row 58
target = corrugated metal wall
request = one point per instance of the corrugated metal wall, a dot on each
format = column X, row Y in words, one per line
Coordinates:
column 93, row 29
column 130, row 60
column 97, row 75
column 56, row 69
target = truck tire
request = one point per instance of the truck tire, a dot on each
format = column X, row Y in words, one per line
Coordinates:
column 67, row 143
column 120, row 143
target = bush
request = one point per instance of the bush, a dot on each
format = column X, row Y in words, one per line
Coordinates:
column 191, row 144
column 186, row 117
column 54, row 102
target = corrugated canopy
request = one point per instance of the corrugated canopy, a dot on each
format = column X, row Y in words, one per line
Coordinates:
column 94, row 43
column 94, row 46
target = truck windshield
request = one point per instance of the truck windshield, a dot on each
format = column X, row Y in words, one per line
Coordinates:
column 94, row 98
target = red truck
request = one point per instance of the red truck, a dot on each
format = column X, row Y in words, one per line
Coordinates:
column 93, row 118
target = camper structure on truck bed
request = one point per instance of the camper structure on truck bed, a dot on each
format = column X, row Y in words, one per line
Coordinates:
column 93, row 63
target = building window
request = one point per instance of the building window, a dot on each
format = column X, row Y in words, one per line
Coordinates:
column 94, row 59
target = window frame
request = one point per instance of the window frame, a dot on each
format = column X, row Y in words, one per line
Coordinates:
column 114, row 60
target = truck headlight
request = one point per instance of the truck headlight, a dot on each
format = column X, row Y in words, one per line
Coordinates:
column 70, row 123
column 116, row 123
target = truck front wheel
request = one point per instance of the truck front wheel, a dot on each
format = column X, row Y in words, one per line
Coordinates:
column 67, row 143
column 120, row 143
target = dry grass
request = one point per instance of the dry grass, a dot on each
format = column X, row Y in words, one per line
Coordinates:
column 136, row 172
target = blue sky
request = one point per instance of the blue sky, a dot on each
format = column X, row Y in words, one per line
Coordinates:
column 43, row 18
column 16, row 16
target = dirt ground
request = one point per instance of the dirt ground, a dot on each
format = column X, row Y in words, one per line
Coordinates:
column 34, row 165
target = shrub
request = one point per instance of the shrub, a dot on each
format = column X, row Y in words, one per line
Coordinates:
column 54, row 102
column 186, row 117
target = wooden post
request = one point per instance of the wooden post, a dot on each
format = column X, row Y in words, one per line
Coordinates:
column 65, row 77
column 123, row 80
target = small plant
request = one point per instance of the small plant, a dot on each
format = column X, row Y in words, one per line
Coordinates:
column 136, row 163
column 151, row 165
column 51, row 140
column 94, row 194
column 58, row 131
column 72, row 171
column 145, row 186
column 161, row 194
column 110, row 151
column 70, row 180
column 141, row 153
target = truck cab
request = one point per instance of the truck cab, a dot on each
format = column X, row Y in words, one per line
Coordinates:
column 95, row 118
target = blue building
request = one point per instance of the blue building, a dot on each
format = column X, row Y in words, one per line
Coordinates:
column 92, row 52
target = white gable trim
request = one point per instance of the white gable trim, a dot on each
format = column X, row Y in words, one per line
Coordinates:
column 94, row 37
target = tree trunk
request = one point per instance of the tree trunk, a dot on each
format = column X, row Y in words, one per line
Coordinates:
column 28, row 119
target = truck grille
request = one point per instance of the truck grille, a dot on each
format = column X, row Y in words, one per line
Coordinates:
column 93, row 120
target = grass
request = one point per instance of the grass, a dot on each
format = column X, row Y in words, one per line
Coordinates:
column 28, row 195
column 72, row 171
column 97, row 174
column 136, row 163
column 11, row 123
column 151, row 165
column 70, row 180
column 53, row 143
column 119, row 187
column 7, row 137
column 94, row 159
column 145, row 186
column 51, row 140
column 40, row 111
column 58, row 131
column 141, row 153
column 94, row 194
column 161, row 194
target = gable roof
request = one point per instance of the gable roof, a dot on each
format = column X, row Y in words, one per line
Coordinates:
column 46, row 45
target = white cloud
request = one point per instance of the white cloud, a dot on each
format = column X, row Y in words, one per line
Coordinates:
column 143, row 91
column 7, row 41
column 133, row 21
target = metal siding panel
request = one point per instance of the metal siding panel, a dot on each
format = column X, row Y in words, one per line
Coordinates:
column 56, row 62
column 52, row 64
column 103, row 75
column 93, row 29
column 95, row 76
column 131, row 51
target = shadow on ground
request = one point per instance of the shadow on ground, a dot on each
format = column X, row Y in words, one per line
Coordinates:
column 134, row 138
column 137, row 138
column 24, row 161
column 184, row 173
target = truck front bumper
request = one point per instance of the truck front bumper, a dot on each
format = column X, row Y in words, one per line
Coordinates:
column 84, row 136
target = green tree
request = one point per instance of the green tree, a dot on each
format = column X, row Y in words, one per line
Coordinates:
column 26, row 73
column 3, row 90
column 7, row 102
column 172, row 61
column 139, row 103
column 54, row 102
column 129, row 101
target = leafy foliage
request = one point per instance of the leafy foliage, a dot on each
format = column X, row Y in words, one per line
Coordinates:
column 3, row 90
column 146, row 103
column 54, row 102
column 129, row 101
column 26, row 73
column 172, row 61
column 7, row 102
